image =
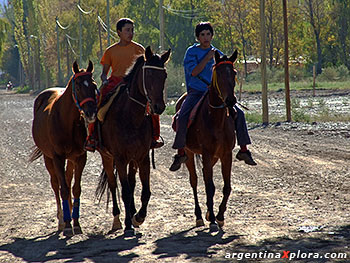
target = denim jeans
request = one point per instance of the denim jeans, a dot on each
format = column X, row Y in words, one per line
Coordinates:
column 193, row 96
column 191, row 100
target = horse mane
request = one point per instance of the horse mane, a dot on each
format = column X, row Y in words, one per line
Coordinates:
column 133, row 68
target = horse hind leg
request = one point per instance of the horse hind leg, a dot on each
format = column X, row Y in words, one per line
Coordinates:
column 194, row 183
column 144, row 171
column 56, row 188
column 59, row 165
column 109, row 176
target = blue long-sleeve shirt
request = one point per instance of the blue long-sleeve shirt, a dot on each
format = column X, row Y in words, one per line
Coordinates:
column 194, row 55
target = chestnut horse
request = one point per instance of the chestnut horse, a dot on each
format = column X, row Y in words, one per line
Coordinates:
column 59, row 132
column 212, row 135
column 127, row 133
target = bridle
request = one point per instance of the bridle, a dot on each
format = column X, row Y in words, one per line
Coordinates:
column 144, row 67
column 74, row 92
column 216, row 85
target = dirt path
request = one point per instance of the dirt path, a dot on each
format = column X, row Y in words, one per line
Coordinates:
column 301, row 183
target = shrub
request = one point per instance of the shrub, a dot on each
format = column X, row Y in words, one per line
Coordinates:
column 343, row 72
column 329, row 74
column 175, row 80
column 296, row 73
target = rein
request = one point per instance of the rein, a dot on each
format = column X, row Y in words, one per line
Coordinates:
column 144, row 67
column 216, row 86
column 74, row 92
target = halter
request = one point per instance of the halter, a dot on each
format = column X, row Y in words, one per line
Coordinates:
column 144, row 67
column 215, row 84
column 74, row 93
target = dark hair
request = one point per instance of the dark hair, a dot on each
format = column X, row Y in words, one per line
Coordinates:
column 204, row 26
column 121, row 23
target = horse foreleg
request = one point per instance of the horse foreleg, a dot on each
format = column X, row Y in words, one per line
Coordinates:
column 132, row 183
column 226, row 164
column 69, row 178
column 139, row 218
column 194, row 182
column 78, row 170
column 126, row 195
column 56, row 188
column 108, row 165
column 209, row 189
column 58, row 163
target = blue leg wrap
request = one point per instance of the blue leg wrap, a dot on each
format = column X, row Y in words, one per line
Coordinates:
column 66, row 211
column 76, row 205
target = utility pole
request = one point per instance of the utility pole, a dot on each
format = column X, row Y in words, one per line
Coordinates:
column 265, row 110
column 161, row 26
column 99, row 36
column 58, row 55
column 80, row 38
column 108, row 26
column 286, row 61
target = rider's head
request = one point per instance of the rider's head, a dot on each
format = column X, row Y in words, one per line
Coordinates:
column 125, row 29
column 203, row 26
column 204, row 33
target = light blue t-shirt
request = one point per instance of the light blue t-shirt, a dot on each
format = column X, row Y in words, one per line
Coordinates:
column 194, row 55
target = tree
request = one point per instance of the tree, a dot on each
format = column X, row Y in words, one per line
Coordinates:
column 315, row 11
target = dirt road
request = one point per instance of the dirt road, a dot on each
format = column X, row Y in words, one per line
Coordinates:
column 296, row 199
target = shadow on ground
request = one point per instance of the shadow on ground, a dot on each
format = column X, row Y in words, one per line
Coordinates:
column 202, row 247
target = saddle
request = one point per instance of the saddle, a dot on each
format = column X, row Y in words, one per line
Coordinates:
column 192, row 114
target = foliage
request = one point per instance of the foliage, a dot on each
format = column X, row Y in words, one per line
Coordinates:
column 329, row 74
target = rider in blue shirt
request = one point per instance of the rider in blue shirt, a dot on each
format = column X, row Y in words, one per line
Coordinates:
column 198, row 66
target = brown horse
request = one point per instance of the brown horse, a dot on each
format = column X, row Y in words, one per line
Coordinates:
column 127, row 134
column 60, row 117
column 212, row 135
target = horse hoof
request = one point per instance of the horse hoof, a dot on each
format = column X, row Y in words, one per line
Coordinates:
column 136, row 223
column 116, row 223
column 61, row 226
column 68, row 232
column 213, row 227
column 77, row 230
column 220, row 223
column 199, row 222
column 129, row 233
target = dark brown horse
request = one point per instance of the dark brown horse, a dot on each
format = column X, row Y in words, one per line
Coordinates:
column 59, row 132
column 212, row 135
column 127, row 134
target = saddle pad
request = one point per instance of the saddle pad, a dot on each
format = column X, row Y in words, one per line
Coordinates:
column 192, row 114
column 104, row 109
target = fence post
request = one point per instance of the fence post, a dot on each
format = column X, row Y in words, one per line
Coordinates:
column 314, row 80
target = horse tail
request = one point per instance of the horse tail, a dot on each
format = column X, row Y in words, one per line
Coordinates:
column 101, row 186
column 36, row 153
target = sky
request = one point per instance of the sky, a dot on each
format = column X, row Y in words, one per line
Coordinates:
column 3, row 2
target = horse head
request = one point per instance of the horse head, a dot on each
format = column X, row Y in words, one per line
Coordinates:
column 84, row 91
column 154, row 75
column 224, row 76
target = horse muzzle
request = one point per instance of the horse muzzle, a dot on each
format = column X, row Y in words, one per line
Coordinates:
column 230, row 101
column 158, row 108
column 90, row 118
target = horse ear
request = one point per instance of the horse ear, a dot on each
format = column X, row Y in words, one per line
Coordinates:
column 75, row 67
column 217, row 56
column 233, row 58
column 165, row 57
column 90, row 67
column 148, row 53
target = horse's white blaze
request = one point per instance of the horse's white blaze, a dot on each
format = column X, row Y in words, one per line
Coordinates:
column 86, row 83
